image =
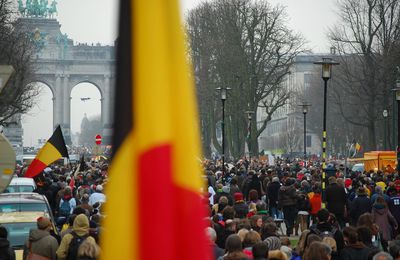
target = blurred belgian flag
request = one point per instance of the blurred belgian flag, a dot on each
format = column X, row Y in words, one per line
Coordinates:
column 53, row 150
column 155, row 166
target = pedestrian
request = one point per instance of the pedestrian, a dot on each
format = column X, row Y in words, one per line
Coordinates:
column 384, row 219
column 325, row 227
column 212, row 236
column 40, row 243
column 234, row 249
column 355, row 249
column 336, row 200
column 241, row 208
column 360, row 205
column 88, row 250
column 97, row 196
column 6, row 251
column 318, row 251
column 260, row 251
column 272, row 192
column 67, row 204
column 70, row 243
column 287, row 200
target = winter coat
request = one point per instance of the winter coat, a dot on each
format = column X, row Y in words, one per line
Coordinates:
column 315, row 202
column 326, row 227
column 359, row 206
column 81, row 228
column 355, row 252
column 255, row 184
column 303, row 203
column 385, row 221
column 41, row 243
column 287, row 196
column 241, row 209
column 6, row 252
column 335, row 198
column 272, row 191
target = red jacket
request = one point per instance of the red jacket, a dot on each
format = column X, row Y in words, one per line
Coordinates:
column 315, row 202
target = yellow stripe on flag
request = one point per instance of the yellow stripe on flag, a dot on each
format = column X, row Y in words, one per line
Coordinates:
column 160, row 64
column 124, row 208
column 48, row 154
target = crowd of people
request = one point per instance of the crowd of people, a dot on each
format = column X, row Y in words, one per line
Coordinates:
column 259, row 211
column 76, row 197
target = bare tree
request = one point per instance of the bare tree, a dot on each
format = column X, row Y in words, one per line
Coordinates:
column 366, row 41
column 16, row 49
column 247, row 46
column 291, row 139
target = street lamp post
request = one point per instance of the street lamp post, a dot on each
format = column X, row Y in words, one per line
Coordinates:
column 385, row 115
column 397, row 91
column 326, row 64
column 223, row 92
column 305, row 106
column 249, row 117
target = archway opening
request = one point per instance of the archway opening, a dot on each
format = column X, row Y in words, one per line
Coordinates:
column 37, row 124
column 86, row 115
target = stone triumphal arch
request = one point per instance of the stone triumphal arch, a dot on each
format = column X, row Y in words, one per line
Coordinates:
column 61, row 65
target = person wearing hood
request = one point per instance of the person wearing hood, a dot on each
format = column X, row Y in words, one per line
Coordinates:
column 40, row 242
column 6, row 252
column 81, row 229
column 287, row 200
column 384, row 219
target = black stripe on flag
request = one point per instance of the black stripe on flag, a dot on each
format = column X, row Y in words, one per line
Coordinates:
column 123, row 92
column 57, row 140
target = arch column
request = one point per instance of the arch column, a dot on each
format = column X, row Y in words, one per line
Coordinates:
column 106, row 110
column 58, row 102
column 66, row 123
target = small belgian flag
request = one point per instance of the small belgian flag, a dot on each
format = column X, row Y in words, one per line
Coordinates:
column 53, row 150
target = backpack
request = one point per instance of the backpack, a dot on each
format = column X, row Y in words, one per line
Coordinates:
column 65, row 208
column 73, row 247
column 315, row 230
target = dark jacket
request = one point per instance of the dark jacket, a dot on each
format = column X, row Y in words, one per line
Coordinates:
column 355, row 252
column 337, row 234
column 272, row 190
column 359, row 206
column 41, row 243
column 255, row 184
column 287, row 196
column 241, row 209
column 335, row 198
column 6, row 252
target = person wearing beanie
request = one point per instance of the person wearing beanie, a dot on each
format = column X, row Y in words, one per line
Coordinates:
column 240, row 206
column 40, row 242
column 6, row 252
column 80, row 229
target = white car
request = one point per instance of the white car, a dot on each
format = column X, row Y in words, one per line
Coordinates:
column 21, row 184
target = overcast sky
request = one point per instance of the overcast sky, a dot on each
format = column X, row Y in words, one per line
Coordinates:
column 95, row 21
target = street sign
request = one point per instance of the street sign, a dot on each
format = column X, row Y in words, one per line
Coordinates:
column 7, row 162
column 98, row 139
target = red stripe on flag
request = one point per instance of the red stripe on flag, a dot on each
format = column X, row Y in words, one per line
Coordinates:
column 35, row 168
column 168, row 214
